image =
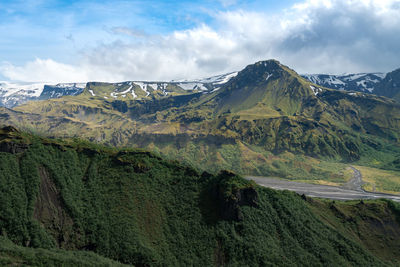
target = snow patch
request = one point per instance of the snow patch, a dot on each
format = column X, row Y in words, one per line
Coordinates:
column 225, row 78
column 126, row 91
column 71, row 85
column 316, row 90
column 26, row 89
column 91, row 92
column 192, row 86
column 153, row 85
column 143, row 86
column 133, row 93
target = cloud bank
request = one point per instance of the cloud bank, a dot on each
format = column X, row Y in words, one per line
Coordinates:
column 314, row 36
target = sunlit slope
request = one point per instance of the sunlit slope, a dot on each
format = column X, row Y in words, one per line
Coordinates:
column 267, row 108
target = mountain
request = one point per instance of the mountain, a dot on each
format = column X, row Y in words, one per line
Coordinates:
column 360, row 82
column 381, row 84
column 15, row 94
column 390, row 86
column 266, row 120
column 139, row 90
column 61, row 89
column 63, row 201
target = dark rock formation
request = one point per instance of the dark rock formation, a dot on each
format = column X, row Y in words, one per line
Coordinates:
column 232, row 195
column 12, row 147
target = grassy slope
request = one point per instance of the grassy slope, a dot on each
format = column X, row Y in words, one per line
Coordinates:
column 239, row 156
column 246, row 126
column 377, row 180
column 137, row 208
column 365, row 221
column 13, row 255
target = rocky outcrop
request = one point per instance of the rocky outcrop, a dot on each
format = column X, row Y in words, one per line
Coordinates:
column 233, row 193
column 50, row 212
column 12, row 147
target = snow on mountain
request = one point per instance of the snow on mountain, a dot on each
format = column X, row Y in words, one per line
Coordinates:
column 13, row 94
column 215, row 80
column 361, row 82
column 61, row 89
column 192, row 86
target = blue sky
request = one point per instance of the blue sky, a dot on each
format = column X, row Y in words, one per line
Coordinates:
column 50, row 40
column 58, row 29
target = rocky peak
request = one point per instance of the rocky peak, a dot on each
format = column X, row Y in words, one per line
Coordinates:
column 260, row 73
column 390, row 85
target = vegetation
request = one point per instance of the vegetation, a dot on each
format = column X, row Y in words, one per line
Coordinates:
column 266, row 121
column 377, row 180
column 366, row 221
column 13, row 255
column 137, row 208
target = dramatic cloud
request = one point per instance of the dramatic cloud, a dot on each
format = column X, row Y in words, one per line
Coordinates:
column 315, row 36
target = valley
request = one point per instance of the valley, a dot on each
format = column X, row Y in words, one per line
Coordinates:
column 222, row 133
column 349, row 191
column 114, row 169
column 77, row 203
column 265, row 120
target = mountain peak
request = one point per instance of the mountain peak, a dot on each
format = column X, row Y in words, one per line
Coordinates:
column 261, row 72
column 269, row 62
column 267, row 87
column 266, row 65
column 390, row 85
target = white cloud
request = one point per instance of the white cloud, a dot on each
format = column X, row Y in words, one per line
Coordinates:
column 43, row 70
column 318, row 36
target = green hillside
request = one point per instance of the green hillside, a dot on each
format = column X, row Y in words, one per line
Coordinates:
column 137, row 208
column 266, row 114
column 14, row 255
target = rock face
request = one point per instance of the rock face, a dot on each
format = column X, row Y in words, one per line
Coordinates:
column 10, row 146
column 49, row 210
column 13, row 148
column 61, row 89
column 233, row 195
column 390, row 86
column 230, row 208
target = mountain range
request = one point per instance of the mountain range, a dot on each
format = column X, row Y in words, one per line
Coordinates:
column 144, row 173
column 263, row 120
column 14, row 94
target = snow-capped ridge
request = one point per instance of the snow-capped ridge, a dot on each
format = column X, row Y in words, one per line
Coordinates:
column 361, row 82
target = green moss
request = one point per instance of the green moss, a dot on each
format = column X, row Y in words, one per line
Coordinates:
column 13, row 255
column 138, row 208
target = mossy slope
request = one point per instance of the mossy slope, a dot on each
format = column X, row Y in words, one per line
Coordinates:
column 267, row 108
column 137, row 208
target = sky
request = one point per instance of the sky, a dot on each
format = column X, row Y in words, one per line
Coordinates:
column 114, row 40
